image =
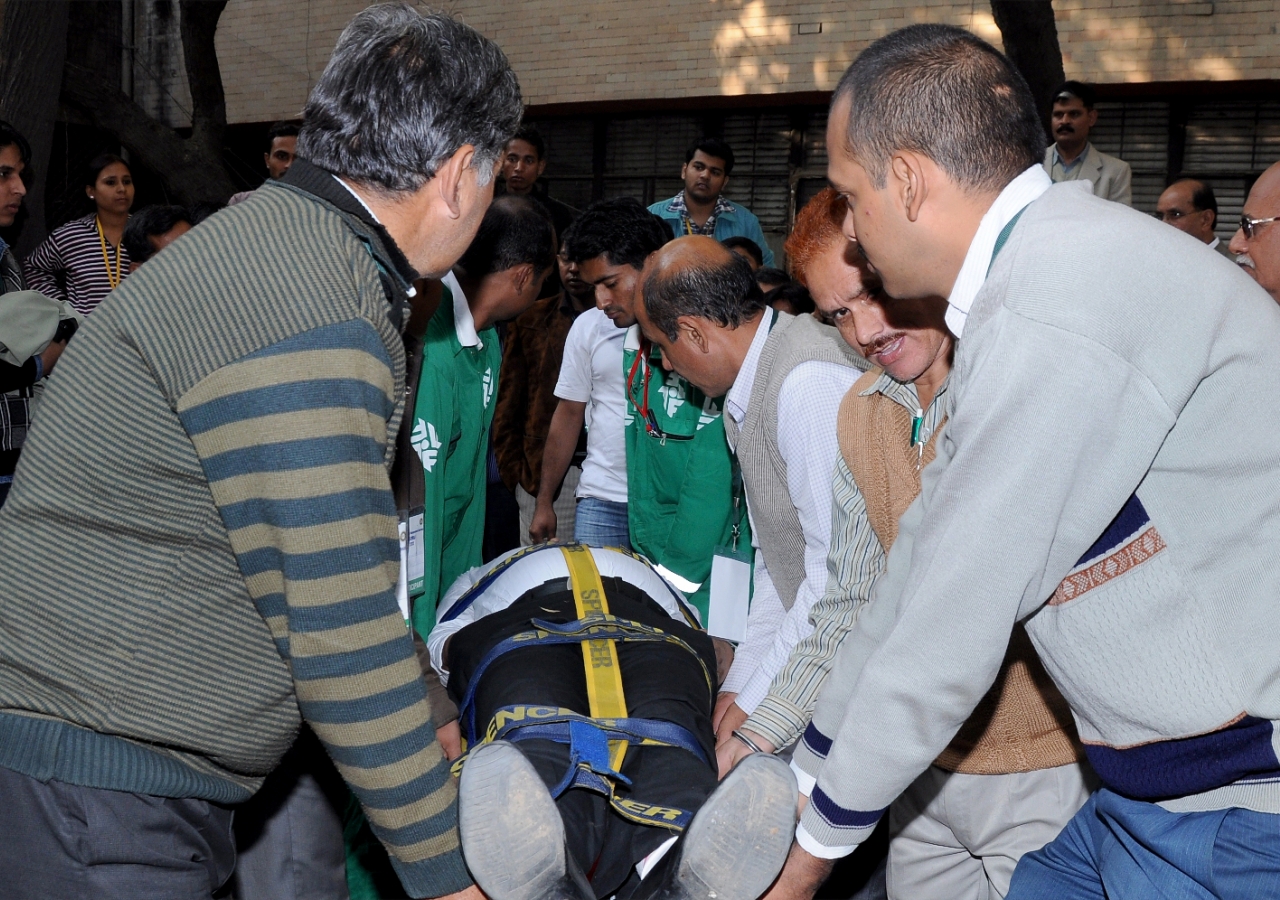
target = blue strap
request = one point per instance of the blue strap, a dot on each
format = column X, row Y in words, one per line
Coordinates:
column 550, row 633
column 524, row 723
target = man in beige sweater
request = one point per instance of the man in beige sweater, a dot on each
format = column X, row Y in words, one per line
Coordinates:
column 1011, row 778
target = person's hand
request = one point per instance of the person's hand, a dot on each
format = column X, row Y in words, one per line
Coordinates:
column 543, row 526
column 801, row 876
column 732, row 719
column 723, row 702
column 733, row 751
column 49, row 356
column 471, row 893
column 450, row 737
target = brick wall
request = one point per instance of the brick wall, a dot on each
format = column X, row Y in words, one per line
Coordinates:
column 568, row 51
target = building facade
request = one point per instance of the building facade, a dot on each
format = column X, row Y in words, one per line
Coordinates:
column 620, row 88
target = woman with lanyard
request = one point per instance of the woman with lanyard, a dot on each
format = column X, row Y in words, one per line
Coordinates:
column 83, row 260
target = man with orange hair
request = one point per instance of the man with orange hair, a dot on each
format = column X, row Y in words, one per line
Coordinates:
column 1011, row 778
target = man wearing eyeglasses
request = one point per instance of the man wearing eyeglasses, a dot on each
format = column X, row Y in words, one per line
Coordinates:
column 1190, row 206
column 1256, row 243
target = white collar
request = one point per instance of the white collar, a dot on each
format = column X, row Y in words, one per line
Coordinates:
column 1213, row 245
column 1013, row 199
column 735, row 402
column 631, row 340
column 463, row 322
column 359, row 199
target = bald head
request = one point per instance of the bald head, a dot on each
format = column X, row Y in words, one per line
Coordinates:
column 698, row 276
column 1259, row 253
column 1189, row 205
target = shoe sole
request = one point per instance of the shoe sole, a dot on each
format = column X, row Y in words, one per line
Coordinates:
column 511, row 831
column 740, row 838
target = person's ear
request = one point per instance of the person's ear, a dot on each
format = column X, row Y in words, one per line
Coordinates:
column 1092, row 117
column 542, row 167
column 449, row 179
column 909, row 182
column 266, row 159
column 520, row 276
column 724, row 186
column 684, row 171
column 692, row 330
column 88, row 192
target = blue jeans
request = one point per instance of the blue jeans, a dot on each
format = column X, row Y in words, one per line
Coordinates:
column 1121, row 849
column 601, row 523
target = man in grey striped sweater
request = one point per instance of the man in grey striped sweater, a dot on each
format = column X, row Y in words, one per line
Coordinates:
column 201, row 547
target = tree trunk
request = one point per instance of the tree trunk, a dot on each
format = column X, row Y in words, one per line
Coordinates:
column 1031, row 41
column 192, row 168
column 199, row 23
column 33, row 46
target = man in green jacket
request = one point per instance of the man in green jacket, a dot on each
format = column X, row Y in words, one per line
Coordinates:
column 680, row 504
column 497, row 279
column 200, row 550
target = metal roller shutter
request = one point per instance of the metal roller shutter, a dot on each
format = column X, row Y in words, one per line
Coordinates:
column 1228, row 145
column 1138, row 133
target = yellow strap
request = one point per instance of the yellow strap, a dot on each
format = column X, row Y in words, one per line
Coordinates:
column 604, row 674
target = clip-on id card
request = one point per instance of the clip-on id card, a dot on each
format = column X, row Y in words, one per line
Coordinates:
column 730, row 594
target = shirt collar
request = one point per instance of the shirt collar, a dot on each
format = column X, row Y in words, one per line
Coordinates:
column 1068, row 166
column 723, row 205
column 1213, row 245
column 735, row 402
column 359, row 199
column 631, row 341
column 973, row 273
column 463, row 322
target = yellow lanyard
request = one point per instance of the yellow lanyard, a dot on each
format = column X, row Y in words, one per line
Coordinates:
column 113, row 280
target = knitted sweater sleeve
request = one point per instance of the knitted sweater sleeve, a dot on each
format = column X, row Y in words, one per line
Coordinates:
column 293, row 440
column 985, row 544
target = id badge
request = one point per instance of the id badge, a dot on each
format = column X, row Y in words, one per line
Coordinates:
column 416, row 566
column 730, row 594
column 402, row 583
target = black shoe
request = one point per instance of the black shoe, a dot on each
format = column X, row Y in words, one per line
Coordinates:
column 512, row 834
column 737, row 843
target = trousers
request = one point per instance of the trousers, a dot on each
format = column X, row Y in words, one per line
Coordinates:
column 1120, row 849
column 602, row 523
column 959, row 837
column 62, row 841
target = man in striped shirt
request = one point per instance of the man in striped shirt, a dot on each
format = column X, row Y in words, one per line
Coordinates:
column 201, row 546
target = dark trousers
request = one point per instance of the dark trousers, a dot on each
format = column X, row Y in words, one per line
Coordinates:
column 64, row 842
column 289, row 835
column 661, row 681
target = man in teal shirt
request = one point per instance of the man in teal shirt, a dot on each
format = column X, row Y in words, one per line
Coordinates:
column 680, row 504
column 497, row 279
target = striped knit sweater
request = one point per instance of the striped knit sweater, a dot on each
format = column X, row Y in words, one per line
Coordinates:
column 202, row 543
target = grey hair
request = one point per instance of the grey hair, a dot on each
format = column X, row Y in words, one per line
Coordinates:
column 724, row 291
column 402, row 92
column 940, row 91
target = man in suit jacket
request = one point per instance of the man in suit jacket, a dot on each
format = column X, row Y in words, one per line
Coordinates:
column 1071, row 157
column 1189, row 205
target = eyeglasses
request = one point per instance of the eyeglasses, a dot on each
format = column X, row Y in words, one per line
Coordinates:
column 1249, row 225
column 1172, row 215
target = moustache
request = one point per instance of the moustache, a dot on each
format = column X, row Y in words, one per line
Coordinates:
column 876, row 346
column 1065, row 129
column 1243, row 259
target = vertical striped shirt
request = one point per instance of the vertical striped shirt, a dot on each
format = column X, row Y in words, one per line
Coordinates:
column 855, row 561
column 71, row 265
